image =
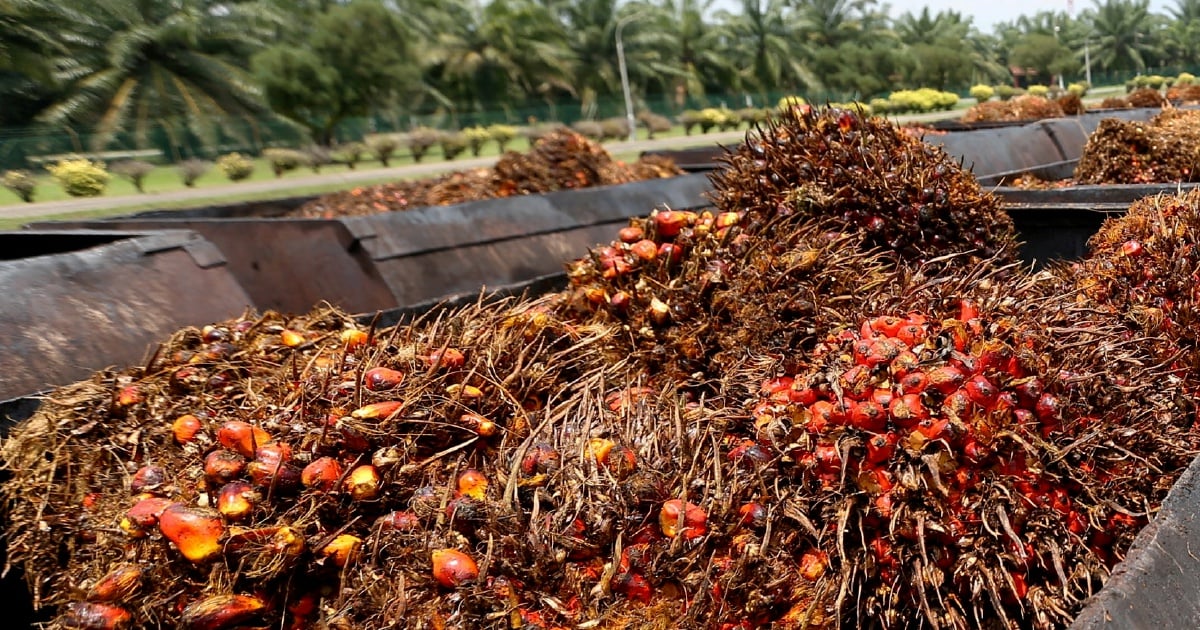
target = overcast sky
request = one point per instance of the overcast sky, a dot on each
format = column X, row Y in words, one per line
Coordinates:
column 986, row 14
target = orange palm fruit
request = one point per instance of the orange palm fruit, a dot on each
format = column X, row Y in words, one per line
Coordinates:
column 679, row 518
column 143, row 515
column 97, row 616
column 220, row 612
column 380, row 378
column 119, row 583
column 353, row 338
column 343, row 550
column 452, row 567
column 472, row 483
column 236, row 500
column 195, row 531
column 291, row 338
column 242, row 437
column 185, row 428
column 321, row 474
column 377, row 411
column 363, row 483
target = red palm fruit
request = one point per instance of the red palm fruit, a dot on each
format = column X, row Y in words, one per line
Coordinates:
column 223, row 466
column 398, row 521
column 813, row 565
column 1019, row 588
column 802, row 394
column 668, row 223
column 378, row 411
column 908, row 410
column 274, row 474
column 881, row 447
column 670, row 252
column 631, row 234
column 911, row 334
column 143, row 515
column 753, row 514
column 883, row 351
column 887, row 325
column 776, row 385
column 378, row 379
column 1131, row 248
column 242, row 437
column 932, row 428
column 1029, row 390
column 914, row 382
column 634, row 586
column 363, row 483
column 968, row 310
column 541, row 458
column 621, row 461
column 957, row 405
column 321, row 474
column 97, row 616
column 646, row 250
column 883, row 397
column 148, row 479
column 236, row 500
column 274, row 453
column 221, row 612
column 186, row 428
column 1047, row 408
column 885, row 505
column 946, row 379
column 195, row 531
column 981, row 391
column 129, row 396
column 479, row 424
column 679, row 518
column 448, row 358
column 856, row 379
column 620, row 301
column 828, row 413
column 342, row 550
column 750, row 452
column 868, row 415
column 452, row 567
column 121, row 582
column 904, row 363
column 828, row 458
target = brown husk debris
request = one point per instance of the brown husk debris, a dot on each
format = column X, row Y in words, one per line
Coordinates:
column 1006, row 503
column 560, row 160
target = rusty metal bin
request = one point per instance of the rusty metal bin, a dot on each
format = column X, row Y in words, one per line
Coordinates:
column 394, row 259
column 426, row 254
column 76, row 302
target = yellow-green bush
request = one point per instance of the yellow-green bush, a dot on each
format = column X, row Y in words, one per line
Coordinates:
column 235, row 166
column 1038, row 90
column 1185, row 78
column 503, row 134
column 982, row 93
column 1078, row 89
column 80, row 178
column 476, row 137
column 21, row 183
column 282, row 160
column 790, row 101
column 922, row 100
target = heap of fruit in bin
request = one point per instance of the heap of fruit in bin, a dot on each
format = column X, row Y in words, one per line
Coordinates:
column 560, row 160
column 834, row 399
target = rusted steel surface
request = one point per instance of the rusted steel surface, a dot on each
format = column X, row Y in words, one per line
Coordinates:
column 66, row 314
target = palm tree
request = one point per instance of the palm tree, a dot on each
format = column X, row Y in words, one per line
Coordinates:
column 766, row 48
column 505, row 52
column 1183, row 33
column 591, row 27
column 698, row 47
column 31, row 38
column 1124, row 34
column 137, row 62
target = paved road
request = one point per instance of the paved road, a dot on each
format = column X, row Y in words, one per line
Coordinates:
column 47, row 208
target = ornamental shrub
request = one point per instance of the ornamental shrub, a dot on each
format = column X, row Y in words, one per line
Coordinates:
column 81, row 177
column 235, row 166
column 21, row 183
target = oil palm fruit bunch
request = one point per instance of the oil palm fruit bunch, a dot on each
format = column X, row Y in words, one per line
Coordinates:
column 906, row 196
column 867, row 184
column 955, row 451
column 1144, row 268
column 1135, row 152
